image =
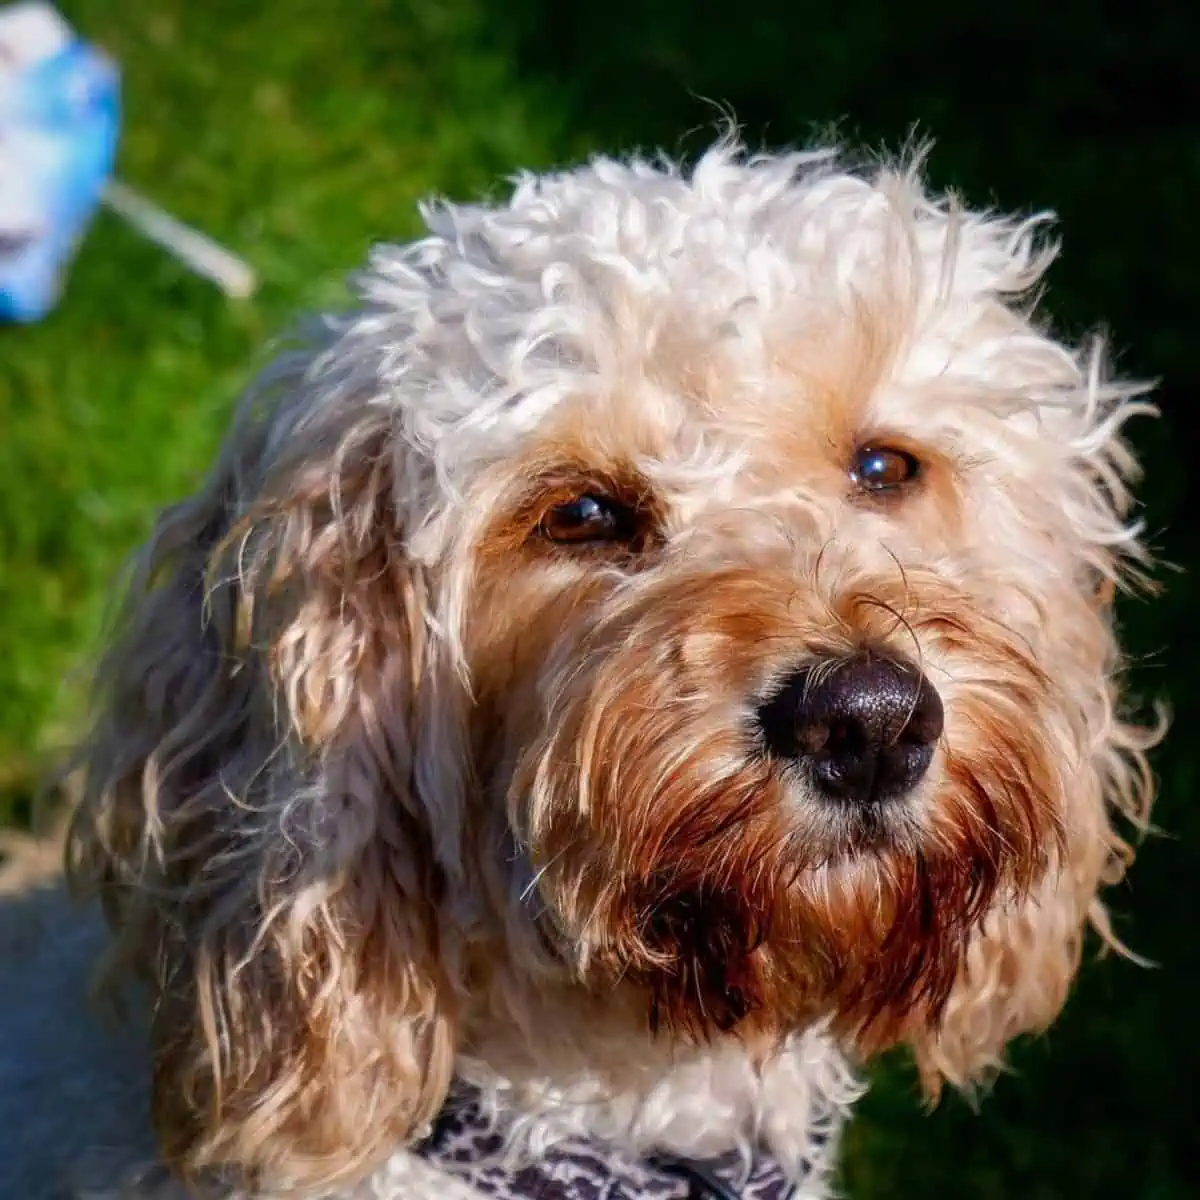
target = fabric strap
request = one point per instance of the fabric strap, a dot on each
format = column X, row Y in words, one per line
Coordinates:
column 464, row 1144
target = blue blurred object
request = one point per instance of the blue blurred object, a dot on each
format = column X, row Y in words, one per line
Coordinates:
column 59, row 125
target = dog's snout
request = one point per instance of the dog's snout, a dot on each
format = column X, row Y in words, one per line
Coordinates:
column 864, row 729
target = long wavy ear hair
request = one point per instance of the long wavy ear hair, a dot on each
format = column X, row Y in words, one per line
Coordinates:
column 253, row 818
column 1020, row 966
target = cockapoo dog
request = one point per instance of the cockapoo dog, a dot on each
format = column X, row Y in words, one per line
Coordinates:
column 653, row 654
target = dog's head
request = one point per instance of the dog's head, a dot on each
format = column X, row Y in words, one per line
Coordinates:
column 685, row 594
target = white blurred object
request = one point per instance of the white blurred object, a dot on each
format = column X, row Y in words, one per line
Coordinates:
column 31, row 32
column 59, row 124
column 233, row 275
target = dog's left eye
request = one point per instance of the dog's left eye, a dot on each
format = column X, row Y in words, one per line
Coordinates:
column 589, row 518
column 883, row 468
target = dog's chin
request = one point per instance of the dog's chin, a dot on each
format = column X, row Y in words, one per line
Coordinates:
column 857, row 917
column 733, row 898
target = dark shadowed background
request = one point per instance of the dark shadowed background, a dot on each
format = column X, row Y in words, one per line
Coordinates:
column 298, row 132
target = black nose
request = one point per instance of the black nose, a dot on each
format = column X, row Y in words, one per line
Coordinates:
column 863, row 728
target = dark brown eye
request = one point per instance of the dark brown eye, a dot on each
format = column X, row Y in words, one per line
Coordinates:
column 589, row 518
column 883, row 468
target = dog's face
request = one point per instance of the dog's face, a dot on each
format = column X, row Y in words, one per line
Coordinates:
column 692, row 591
column 786, row 669
column 788, row 631
column 778, row 692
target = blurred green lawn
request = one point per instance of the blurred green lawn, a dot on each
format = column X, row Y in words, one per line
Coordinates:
column 299, row 132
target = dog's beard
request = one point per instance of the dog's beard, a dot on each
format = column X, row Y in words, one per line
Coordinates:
column 675, row 857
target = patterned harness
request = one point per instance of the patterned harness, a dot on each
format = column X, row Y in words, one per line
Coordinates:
column 465, row 1144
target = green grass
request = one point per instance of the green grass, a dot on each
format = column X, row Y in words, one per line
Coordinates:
column 298, row 133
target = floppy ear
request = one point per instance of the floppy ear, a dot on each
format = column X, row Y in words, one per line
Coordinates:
column 1020, row 965
column 252, row 816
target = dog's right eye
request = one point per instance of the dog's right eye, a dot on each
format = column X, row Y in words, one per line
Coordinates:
column 589, row 518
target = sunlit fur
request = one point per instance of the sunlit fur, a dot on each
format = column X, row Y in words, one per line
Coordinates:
column 384, row 788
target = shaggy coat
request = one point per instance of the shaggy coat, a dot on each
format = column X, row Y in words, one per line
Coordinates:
column 430, row 743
